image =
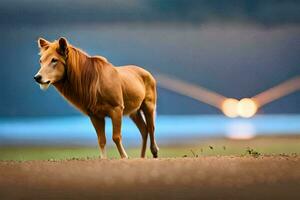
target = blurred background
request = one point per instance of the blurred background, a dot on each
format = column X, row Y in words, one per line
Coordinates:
column 202, row 52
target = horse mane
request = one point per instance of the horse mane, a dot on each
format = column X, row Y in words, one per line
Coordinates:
column 81, row 84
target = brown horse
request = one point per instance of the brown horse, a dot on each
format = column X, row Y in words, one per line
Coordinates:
column 99, row 90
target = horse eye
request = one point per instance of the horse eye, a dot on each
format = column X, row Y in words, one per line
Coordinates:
column 40, row 61
column 54, row 60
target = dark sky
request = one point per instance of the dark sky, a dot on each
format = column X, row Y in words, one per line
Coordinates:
column 46, row 12
column 236, row 48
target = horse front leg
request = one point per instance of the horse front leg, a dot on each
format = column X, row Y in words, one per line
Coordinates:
column 116, row 117
column 99, row 125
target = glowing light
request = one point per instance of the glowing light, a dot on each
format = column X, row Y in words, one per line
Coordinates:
column 246, row 108
column 240, row 130
column 229, row 107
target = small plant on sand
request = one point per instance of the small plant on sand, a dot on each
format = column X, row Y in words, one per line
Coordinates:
column 193, row 153
column 252, row 152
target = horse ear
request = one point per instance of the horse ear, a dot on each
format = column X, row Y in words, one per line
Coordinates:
column 63, row 46
column 42, row 43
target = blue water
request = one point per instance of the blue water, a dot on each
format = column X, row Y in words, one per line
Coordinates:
column 169, row 129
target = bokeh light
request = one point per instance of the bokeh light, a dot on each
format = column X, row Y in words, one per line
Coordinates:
column 229, row 107
column 246, row 108
column 240, row 130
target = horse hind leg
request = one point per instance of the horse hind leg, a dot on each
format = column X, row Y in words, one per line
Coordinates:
column 148, row 108
column 140, row 123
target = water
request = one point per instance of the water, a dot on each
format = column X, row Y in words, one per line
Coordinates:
column 77, row 130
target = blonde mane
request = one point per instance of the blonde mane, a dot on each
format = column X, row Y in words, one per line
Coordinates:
column 80, row 84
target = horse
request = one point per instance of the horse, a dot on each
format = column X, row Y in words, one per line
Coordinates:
column 100, row 90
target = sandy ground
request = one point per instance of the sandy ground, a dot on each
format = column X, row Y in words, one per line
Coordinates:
column 268, row 177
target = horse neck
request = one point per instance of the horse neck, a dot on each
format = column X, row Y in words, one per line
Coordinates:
column 77, row 86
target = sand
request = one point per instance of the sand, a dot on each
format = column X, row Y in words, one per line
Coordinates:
column 212, row 177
